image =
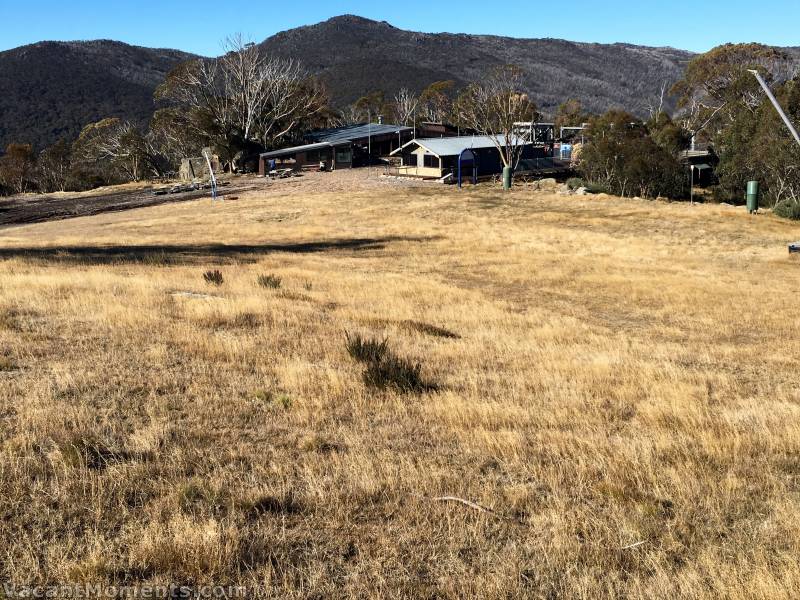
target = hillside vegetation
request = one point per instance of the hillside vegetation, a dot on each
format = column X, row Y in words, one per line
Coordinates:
column 51, row 90
column 611, row 382
column 356, row 55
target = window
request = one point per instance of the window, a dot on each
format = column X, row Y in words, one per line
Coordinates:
column 431, row 161
column 344, row 155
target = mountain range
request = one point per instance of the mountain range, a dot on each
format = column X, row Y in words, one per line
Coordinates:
column 52, row 89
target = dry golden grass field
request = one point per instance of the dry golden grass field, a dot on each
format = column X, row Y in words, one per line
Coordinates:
column 613, row 383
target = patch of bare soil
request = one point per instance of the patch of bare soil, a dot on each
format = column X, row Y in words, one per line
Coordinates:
column 22, row 210
column 26, row 209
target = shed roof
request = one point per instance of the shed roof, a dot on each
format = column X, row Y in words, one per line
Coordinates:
column 453, row 146
column 303, row 148
column 355, row 132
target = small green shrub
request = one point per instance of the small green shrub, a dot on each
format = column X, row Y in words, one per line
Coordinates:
column 277, row 399
column 365, row 350
column 270, row 281
column 213, row 277
column 574, row 183
column 596, row 188
column 788, row 209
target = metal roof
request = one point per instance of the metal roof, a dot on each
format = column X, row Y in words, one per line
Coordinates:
column 304, row 148
column 453, row 146
column 354, row 132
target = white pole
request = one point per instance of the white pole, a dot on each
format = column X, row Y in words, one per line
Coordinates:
column 369, row 143
column 213, row 178
column 777, row 106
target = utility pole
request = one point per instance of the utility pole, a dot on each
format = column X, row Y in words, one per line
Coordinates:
column 213, row 177
column 369, row 143
column 775, row 103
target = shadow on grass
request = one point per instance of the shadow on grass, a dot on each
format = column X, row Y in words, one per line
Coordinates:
column 183, row 254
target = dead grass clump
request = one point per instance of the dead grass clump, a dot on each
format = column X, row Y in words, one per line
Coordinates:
column 275, row 399
column 198, row 497
column 94, row 454
column 431, row 330
column 395, row 372
column 186, row 548
column 241, row 320
column 8, row 319
column 270, row 281
column 246, row 320
column 365, row 350
column 214, row 277
column 386, row 370
column 7, row 363
column 320, row 444
column 295, row 296
column 15, row 319
column 285, row 504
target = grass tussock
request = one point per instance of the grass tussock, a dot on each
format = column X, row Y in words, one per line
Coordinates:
column 397, row 373
column 365, row 350
column 214, row 277
column 384, row 369
column 274, row 399
column 270, row 281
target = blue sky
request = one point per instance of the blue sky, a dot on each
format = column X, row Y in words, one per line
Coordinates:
column 200, row 25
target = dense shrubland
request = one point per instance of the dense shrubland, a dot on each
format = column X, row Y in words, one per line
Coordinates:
column 628, row 157
column 724, row 106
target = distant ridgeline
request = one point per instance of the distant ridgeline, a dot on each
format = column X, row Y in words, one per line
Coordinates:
column 52, row 89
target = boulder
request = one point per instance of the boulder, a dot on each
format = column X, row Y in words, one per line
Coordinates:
column 548, row 184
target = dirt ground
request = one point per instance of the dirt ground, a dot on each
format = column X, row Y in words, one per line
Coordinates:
column 38, row 208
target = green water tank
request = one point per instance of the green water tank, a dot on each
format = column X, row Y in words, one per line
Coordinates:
column 506, row 178
column 752, row 196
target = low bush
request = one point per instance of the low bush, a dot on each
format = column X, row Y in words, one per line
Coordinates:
column 213, row 277
column 396, row 373
column 788, row 209
column 365, row 350
column 270, row 281
column 574, row 183
column 386, row 370
column 596, row 188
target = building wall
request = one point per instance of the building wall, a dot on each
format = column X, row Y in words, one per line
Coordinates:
column 421, row 164
column 310, row 158
column 415, row 171
column 360, row 153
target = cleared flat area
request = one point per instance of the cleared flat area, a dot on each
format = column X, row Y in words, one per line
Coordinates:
column 621, row 391
column 33, row 208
